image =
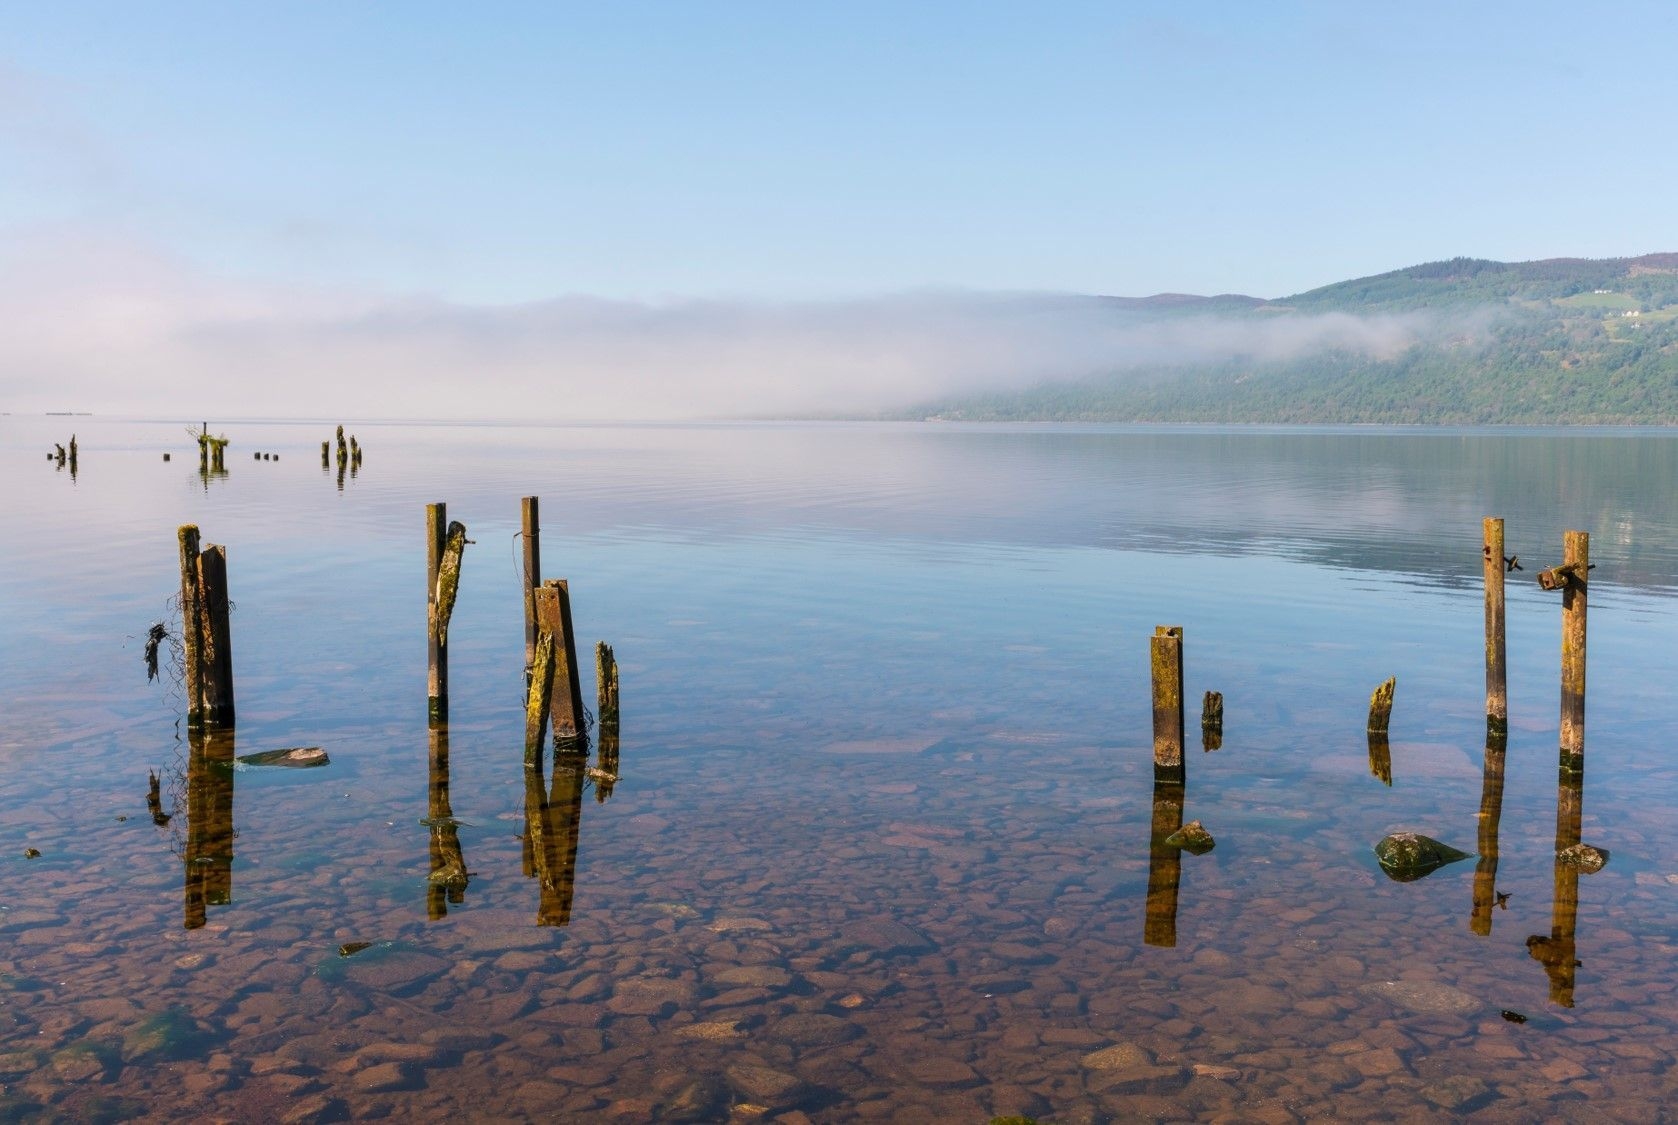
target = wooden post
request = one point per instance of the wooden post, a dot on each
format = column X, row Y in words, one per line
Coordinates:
column 215, row 638
column 1166, row 651
column 565, row 709
column 1576, row 557
column 606, row 681
column 437, row 651
column 343, row 449
column 1212, row 721
column 192, row 622
column 532, row 532
column 1381, row 706
column 72, row 454
column 325, row 460
column 538, row 699
column 1497, row 693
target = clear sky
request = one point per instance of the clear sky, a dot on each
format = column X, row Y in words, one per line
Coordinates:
column 492, row 154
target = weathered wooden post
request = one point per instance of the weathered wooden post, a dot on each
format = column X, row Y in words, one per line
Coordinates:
column 437, row 650
column 72, row 454
column 215, row 638
column 606, row 682
column 1212, row 721
column 1572, row 578
column 565, row 709
column 1381, row 706
column 343, row 449
column 1494, row 564
column 537, row 700
column 531, row 530
column 325, row 461
column 1166, row 652
column 206, row 636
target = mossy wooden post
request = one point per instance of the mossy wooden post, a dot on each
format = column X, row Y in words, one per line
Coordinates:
column 538, row 699
column 325, row 458
column 1576, row 558
column 192, row 619
column 1497, row 691
column 1381, row 706
column 215, row 639
column 1212, row 721
column 72, row 454
column 606, row 683
column 1166, row 651
column 531, row 530
column 565, row 708
column 343, row 449
column 437, row 649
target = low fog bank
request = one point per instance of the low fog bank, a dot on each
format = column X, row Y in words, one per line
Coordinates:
column 117, row 331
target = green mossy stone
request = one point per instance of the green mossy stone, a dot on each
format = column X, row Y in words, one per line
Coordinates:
column 1406, row 856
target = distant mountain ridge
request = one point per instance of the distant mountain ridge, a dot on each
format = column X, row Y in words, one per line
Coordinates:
column 1560, row 340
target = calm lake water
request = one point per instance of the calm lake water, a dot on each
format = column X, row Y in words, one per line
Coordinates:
column 885, row 825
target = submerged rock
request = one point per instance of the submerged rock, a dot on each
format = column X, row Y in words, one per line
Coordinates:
column 1406, row 856
column 169, row 1034
column 1192, row 838
column 294, row 757
column 1432, row 997
column 1586, row 858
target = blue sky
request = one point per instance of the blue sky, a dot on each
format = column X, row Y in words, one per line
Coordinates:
column 485, row 155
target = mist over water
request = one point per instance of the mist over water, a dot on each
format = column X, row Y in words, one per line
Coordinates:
column 115, row 328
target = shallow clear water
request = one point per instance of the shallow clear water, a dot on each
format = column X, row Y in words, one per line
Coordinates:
column 881, row 846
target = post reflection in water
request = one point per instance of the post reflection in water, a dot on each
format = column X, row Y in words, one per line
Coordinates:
column 209, row 828
column 1380, row 757
column 1491, row 811
column 1558, row 952
column 447, row 881
column 1165, row 866
column 552, row 822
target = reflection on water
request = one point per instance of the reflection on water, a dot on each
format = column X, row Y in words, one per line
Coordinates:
column 209, row 824
column 552, row 822
column 448, row 879
column 1165, row 866
column 878, row 855
column 1558, row 952
column 1491, row 811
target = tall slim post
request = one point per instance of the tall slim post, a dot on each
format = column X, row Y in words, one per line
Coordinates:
column 1576, row 560
column 192, row 620
column 1166, row 651
column 532, row 533
column 215, row 637
column 437, row 649
column 1497, row 691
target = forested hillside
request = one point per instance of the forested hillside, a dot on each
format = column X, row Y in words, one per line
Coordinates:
column 1561, row 340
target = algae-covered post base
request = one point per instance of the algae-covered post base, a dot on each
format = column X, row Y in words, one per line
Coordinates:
column 437, row 650
column 1166, row 652
column 1381, row 706
column 565, row 711
column 531, row 533
column 1212, row 721
column 1493, row 564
